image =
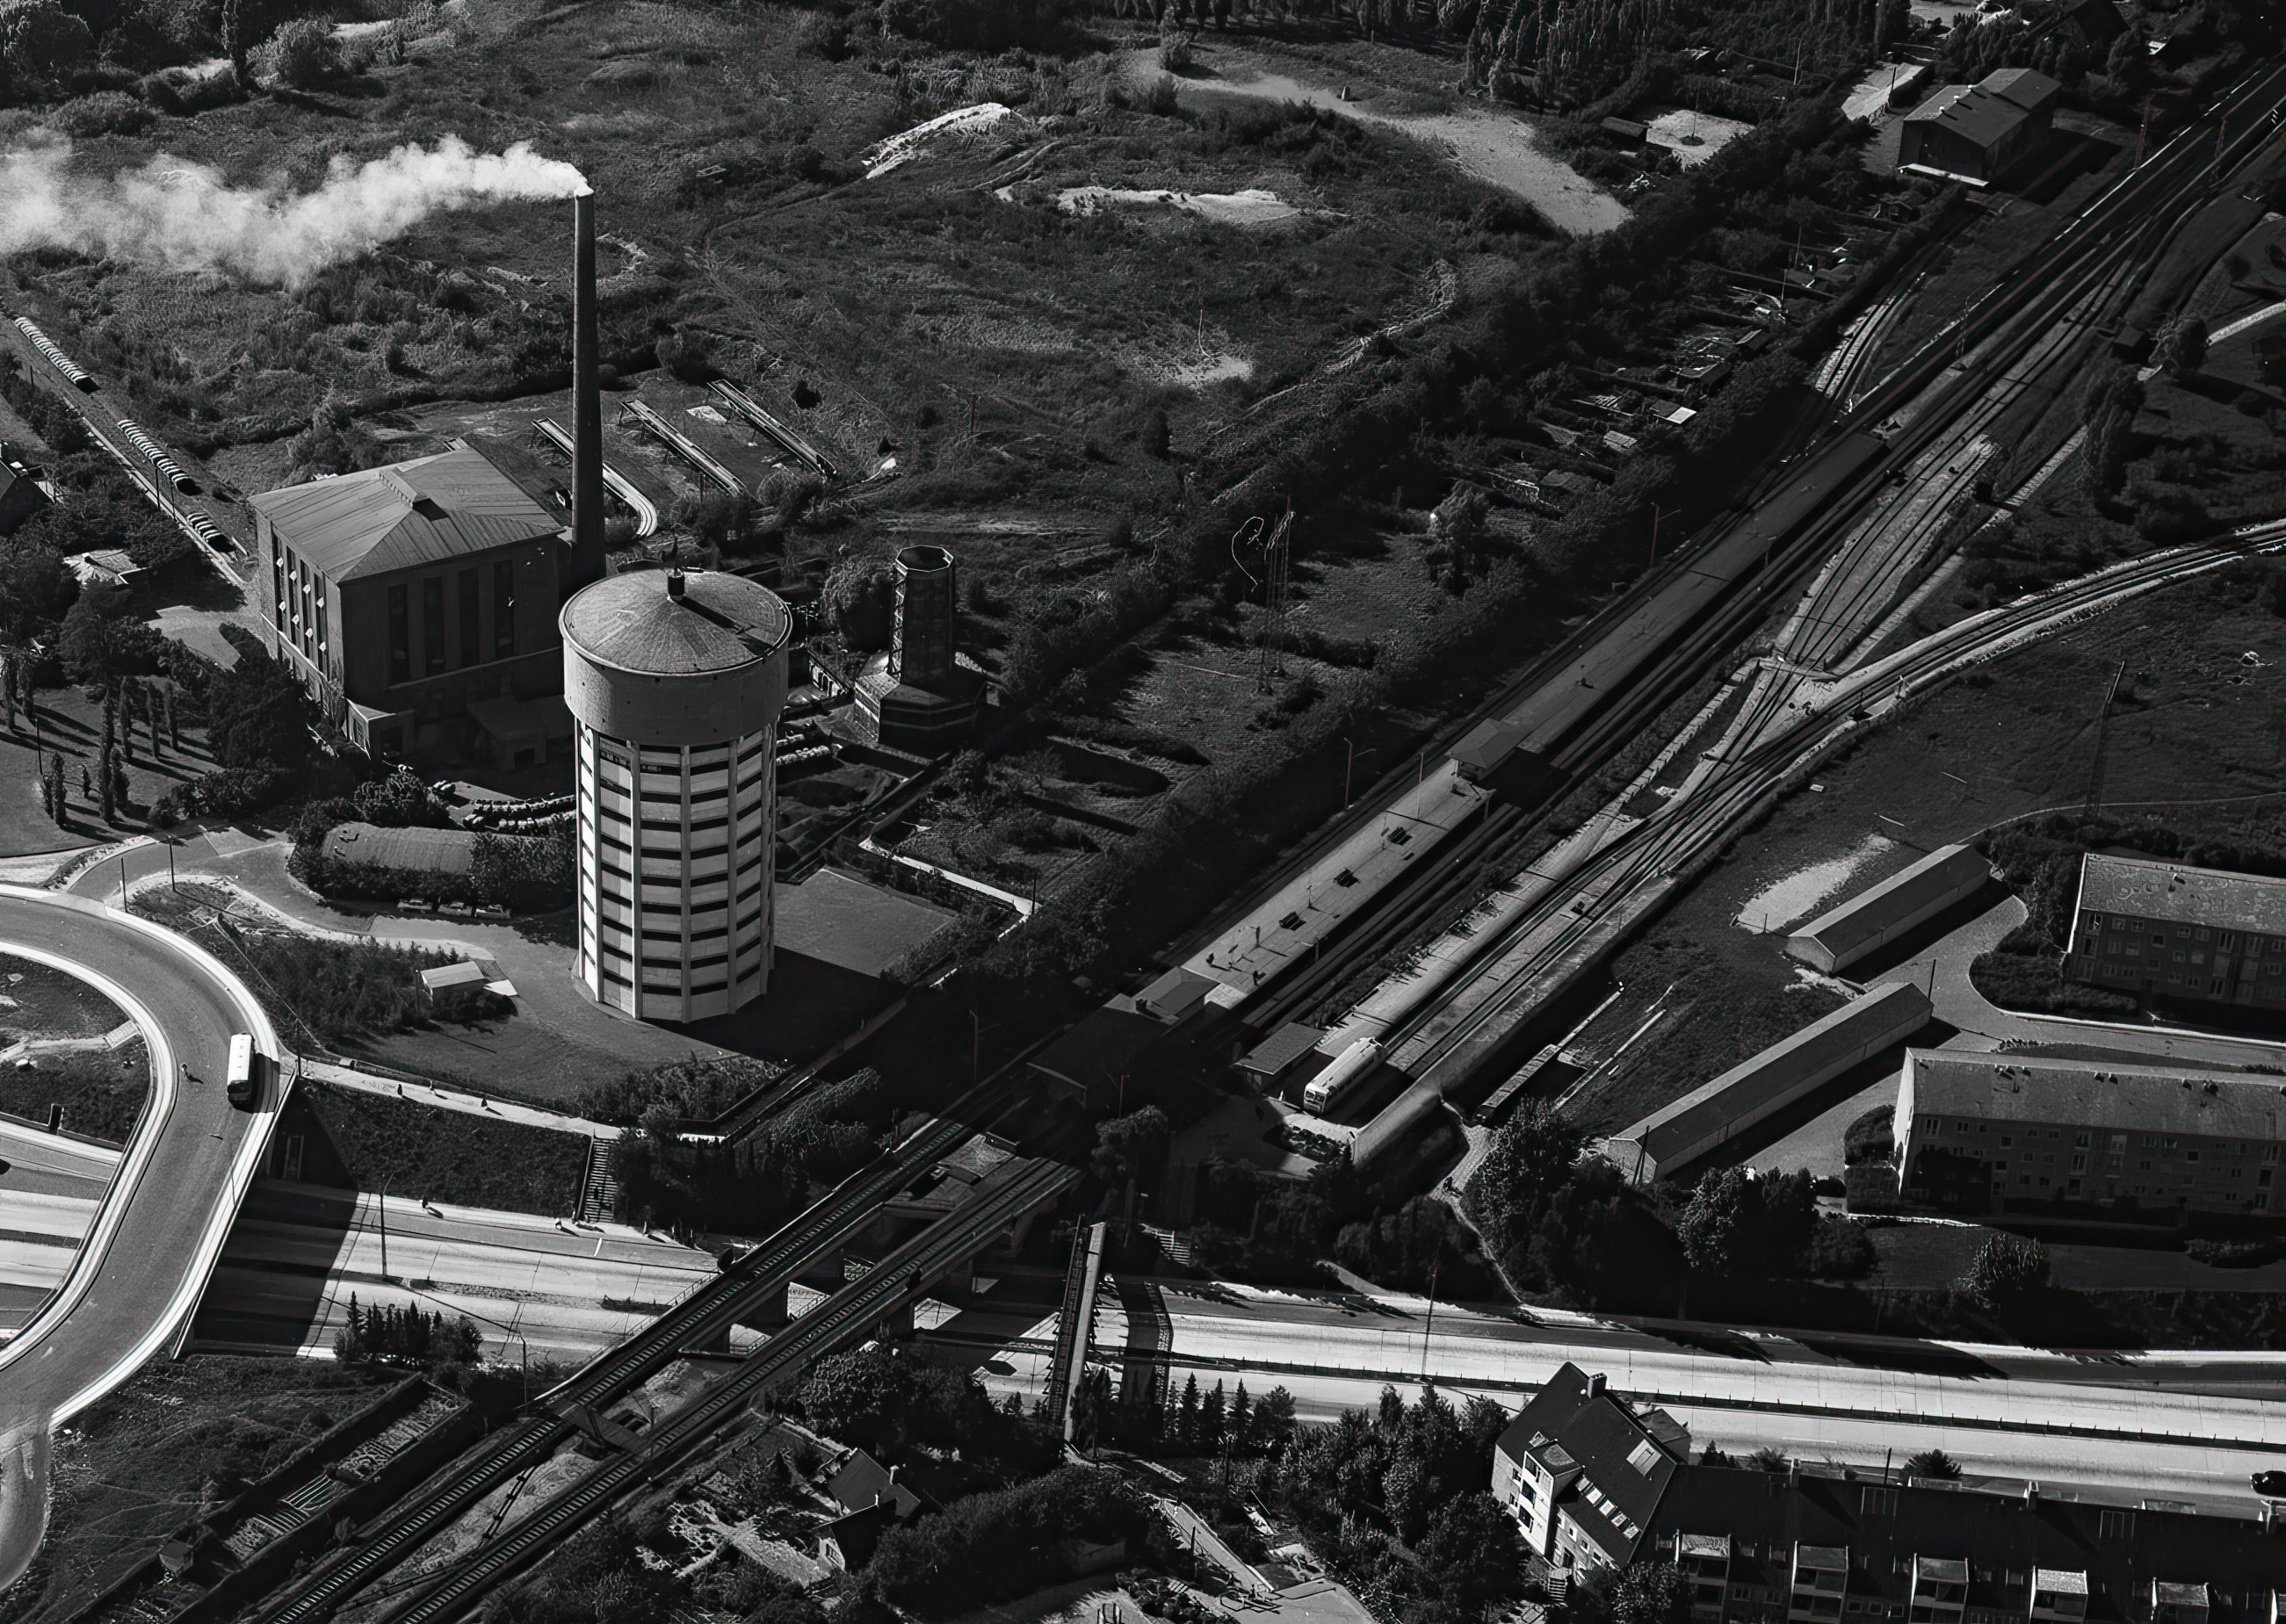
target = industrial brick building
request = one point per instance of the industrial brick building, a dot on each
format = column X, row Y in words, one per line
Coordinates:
column 1595, row 1482
column 1974, row 132
column 405, row 595
column 1980, row 1132
column 2166, row 930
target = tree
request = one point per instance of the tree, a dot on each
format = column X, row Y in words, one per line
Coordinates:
column 1470, row 1551
column 42, row 41
column 1531, row 1157
column 1766, row 1459
column 859, row 600
column 2184, row 349
column 402, row 800
column 1210, row 1421
column 304, row 53
column 1129, row 1147
column 1273, row 1419
column 257, row 716
column 35, row 590
column 1739, row 1222
column 1651, row 1593
column 1933, row 1464
column 2005, row 1268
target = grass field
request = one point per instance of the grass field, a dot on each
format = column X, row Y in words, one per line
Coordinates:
column 39, row 1001
column 101, row 1092
column 130, row 1472
column 451, row 1156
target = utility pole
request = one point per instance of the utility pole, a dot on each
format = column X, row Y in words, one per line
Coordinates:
column 2102, row 742
column 1657, row 513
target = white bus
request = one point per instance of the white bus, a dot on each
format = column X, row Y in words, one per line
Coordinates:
column 244, row 1086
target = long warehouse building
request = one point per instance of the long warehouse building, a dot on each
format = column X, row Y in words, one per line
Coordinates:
column 1881, row 914
column 1712, row 1115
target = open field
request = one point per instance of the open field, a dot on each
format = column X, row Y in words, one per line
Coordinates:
column 130, row 1472
column 37, row 1002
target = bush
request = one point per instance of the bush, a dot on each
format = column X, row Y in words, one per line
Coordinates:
column 998, row 1546
column 2005, row 1268
column 1160, row 98
column 228, row 792
column 302, row 53
column 42, row 41
column 107, row 112
column 692, row 1090
column 402, row 800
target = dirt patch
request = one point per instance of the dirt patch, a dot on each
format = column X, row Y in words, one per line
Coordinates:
column 1497, row 148
column 101, row 1092
column 450, row 1155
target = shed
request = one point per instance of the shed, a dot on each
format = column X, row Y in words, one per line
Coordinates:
column 1174, row 995
column 1882, row 912
column 446, row 977
column 1273, row 1057
column 1714, row 1113
column 1627, row 129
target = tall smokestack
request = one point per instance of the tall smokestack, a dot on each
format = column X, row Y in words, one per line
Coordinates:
column 587, row 402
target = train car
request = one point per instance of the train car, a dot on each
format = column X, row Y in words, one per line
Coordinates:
column 244, row 1084
column 1353, row 1064
column 56, row 357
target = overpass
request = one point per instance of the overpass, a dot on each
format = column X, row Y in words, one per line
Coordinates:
column 166, row 1209
column 750, row 1287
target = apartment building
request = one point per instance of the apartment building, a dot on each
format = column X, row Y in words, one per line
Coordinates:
column 412, row 593
column 1984, row 1133
column 1804, row 1547
column 1800, row 1547
column 2168, row 931
column 1581, row 1472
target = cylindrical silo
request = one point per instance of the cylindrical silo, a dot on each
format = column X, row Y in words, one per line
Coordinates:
column 675, row 679
column 921, row 654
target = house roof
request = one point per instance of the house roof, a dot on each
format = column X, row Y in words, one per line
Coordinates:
column 2100, row 1093
column 1572, row 1422
column 1985, row 113
column 2150, row 889
column 1095, row 1053
column 423, row 512
column 862, row 1482
column 637, row 621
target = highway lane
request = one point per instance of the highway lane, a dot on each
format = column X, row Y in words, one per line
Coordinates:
column 2100, row 1422
column 530, row 1283
column 133, row 1283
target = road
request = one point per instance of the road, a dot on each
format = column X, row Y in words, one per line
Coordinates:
column 2187, row 1425
column 135, row 1282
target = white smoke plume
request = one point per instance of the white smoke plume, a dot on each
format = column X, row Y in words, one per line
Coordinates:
column 182, row 216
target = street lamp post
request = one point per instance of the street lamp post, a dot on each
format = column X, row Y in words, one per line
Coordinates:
column 384, row 1209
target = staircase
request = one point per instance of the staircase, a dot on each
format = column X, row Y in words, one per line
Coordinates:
column 599, row 1187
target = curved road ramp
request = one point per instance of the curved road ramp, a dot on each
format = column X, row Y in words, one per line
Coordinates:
column 158, row 1233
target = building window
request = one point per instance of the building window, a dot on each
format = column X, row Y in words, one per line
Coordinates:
column 503, row 610
column 400, row 636
column 277, row 583
column 472, row 630
column 432, row 625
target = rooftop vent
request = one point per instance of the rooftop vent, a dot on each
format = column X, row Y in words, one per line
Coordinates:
column 675, row 583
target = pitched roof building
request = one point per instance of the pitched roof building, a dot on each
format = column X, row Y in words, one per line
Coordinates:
column 1798, row 1546
column 1973, row 133
column 403, row 595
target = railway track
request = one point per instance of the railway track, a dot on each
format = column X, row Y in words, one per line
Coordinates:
column 703, row 1314
column 2003, row 345
column 847, row 1316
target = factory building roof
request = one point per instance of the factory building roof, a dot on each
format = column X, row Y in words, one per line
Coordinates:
column 1985, row 113
column 2100, row 1094
column 2143, row 887
column 667, row 623
column 423, row 512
